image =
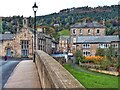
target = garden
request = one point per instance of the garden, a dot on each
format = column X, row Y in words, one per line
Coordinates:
column 93, row 80
column 104, row 59
column 96, row 72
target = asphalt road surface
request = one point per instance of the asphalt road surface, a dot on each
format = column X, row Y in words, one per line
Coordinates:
column 6, row 68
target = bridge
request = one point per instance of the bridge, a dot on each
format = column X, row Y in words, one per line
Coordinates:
column 46, row 72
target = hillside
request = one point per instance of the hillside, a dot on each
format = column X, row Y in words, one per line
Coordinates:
column 67, row 17
column 64, row 32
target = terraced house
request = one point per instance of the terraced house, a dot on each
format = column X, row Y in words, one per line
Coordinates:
column 89, row 36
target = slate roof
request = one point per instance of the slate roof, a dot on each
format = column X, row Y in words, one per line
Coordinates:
column 7, row 36
column 88, row 25
column 97, row 39
column 64, row 37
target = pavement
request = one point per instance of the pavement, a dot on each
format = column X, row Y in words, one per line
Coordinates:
column 25, row 75
column 7, row 68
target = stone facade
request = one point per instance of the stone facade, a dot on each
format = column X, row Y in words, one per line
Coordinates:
column 88, row 37
column 63, row 43
column 89, row 44
column 88, row 31
column 45, row 42
column 17, row 45
column 14, row 47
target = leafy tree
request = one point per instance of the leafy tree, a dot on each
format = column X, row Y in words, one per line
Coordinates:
column 100, row 52
column 105, row 63
column 78, row 56
column 1, row 29
column 50, row 31
column 111, row 54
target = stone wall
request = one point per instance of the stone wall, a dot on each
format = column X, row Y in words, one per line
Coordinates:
column 15, row 43
column 52, row 74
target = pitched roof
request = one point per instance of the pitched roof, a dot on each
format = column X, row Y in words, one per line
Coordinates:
column 88, row 25
column 64, row 37
column 97, row 39
column 7, row 36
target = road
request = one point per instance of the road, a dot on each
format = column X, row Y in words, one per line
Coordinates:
column 6, row 68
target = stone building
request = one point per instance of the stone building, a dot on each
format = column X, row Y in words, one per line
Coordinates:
column 21, row 44
column 87, row 29
column 89, row 44
column 54, row 46
column 63, row 43
column 88, row 37
column 45, row 42
column 17, row 45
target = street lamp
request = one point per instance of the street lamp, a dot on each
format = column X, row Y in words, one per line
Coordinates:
column 35, row 7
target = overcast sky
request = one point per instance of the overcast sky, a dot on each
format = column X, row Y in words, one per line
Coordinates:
column 24, row 7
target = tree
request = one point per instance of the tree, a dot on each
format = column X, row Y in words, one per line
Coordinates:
column 78, row 56
column 51, row 31
column 1, row 29
column 105, row 63
column 111, row 55
column 100, row 52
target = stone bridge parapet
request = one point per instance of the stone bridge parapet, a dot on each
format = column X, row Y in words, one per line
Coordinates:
column 52, row 74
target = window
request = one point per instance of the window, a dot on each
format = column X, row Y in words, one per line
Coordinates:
column 86, row 46
column 115, row 45
column 98, row 31
column 74, row 40
column 104, row 46
column 86, row 53
column 24, row 48
column 80, row 31
column 73, row 31
column 89, row 31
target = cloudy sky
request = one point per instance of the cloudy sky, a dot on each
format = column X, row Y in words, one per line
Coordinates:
column 24, row 7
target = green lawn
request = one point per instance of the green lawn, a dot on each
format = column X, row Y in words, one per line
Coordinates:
column 93, row 80
column 65, row 32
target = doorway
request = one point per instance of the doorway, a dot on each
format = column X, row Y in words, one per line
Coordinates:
column 8, row 53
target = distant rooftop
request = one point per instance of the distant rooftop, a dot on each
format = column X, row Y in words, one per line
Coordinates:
column 97, row 39
column 7, row 36
column 64, row 37
column 88, row 25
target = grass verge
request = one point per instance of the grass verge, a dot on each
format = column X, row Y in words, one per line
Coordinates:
column 93, row 80
column 65, row 32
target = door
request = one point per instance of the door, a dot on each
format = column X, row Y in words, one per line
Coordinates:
column 8, row 53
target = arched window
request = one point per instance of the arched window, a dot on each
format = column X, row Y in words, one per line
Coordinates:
column 73, row 31
column 98, row 31
column 89, row 31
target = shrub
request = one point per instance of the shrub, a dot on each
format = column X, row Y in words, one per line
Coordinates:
column 78, row 56
column 91, row 58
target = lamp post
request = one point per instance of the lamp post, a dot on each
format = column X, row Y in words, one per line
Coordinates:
column 35, row 7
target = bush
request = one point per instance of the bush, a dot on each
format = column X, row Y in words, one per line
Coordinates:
column 78, row 56
column 94, row 59
column 105, row 64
